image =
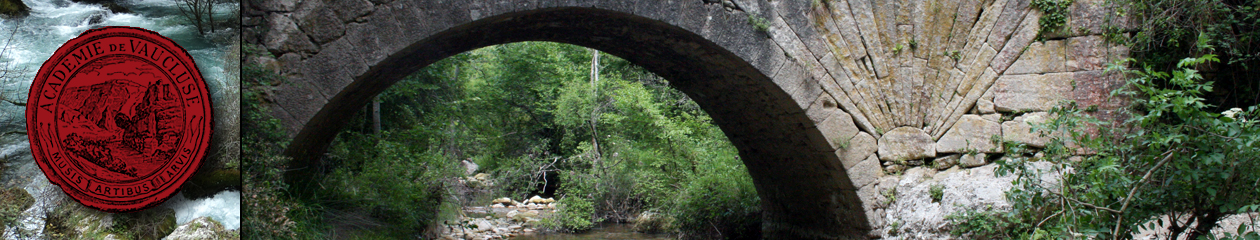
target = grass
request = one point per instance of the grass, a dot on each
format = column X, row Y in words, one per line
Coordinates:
column 937, row 192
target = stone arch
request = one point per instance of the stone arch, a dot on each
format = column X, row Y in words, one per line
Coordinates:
column 337, row 57
column 818, row 96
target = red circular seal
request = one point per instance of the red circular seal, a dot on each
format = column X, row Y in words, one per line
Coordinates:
column 119, row 117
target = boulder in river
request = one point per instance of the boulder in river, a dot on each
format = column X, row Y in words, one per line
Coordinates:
column 14, row 8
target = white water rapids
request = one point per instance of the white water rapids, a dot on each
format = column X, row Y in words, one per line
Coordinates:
column 28, row 41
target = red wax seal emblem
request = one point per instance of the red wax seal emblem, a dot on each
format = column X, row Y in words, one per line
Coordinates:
column 119, row 117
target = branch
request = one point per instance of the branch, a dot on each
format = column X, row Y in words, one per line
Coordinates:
column 1120, row 218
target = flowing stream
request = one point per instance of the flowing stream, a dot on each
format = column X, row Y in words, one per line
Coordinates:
column 28, row 41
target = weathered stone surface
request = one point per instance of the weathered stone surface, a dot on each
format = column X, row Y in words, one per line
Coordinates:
column 1012, row 16
column 1093, row 90
column 995, row 117
column 946, row 162
column 865, row 172
column 319, row 22
column 284, row 36
column 1086, row 17
column 1041, row 57
column 348, row 10
column 1019, row 40
column 276, row 5
column 1020, row 129
column 985, row 106
column 970, row 133
column 973, row 160
column 1086, row 53
column 906, row 143
column 838, row 128
column 769, row 107
column 860, row 146
column 1031, row 92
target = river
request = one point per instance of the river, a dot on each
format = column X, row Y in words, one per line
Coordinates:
column 606, row 231
column 30, row 40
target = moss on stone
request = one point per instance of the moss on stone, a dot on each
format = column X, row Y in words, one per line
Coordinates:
column 13, row 201
column 14, row 8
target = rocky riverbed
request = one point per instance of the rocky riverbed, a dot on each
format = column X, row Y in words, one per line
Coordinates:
column 503, row 218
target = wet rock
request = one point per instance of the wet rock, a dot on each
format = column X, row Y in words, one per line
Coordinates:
column 202, row 228
column 14, row 8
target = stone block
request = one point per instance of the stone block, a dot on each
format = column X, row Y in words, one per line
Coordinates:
column 838, row 128
column 319, row 22
column 1041, row 57
column 860, row 147
column 984, row 106
column 1086, row 53
column 1031, row 92
column 906, row 143
column 946, row 162
column 284, row 36
column 973, row 160
column 971, row 132
column 1020, row 130
column 865, row 172
column 276, row 5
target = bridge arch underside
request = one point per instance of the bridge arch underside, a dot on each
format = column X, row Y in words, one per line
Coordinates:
column 713, row 55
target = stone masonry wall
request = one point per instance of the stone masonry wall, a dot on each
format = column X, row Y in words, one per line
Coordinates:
column 880, row 86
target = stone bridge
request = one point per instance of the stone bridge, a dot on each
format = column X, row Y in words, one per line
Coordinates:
column 820, row 97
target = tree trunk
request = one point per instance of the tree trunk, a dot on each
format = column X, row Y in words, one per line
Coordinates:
column 1206, row 223
column 595, row 96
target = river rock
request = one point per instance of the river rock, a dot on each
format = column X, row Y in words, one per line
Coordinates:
column 469, row 167
column 970, row 133
column 505, row 201
column 906, row 143
column 14, row 8
column 651, row 222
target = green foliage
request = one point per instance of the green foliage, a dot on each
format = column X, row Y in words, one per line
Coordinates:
column 897, row 50
column 722, row 203
column 759, row 23
column 984, row 224
column 1171, row 30
column 266, row 214
column 577, row 212
column 1174, row 157
column 394, row 183
column 1054, row 13
column 937, row 192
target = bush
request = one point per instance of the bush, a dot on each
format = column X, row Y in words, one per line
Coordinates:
column 719, row 204
column 1174, row 157
column 399, row 186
